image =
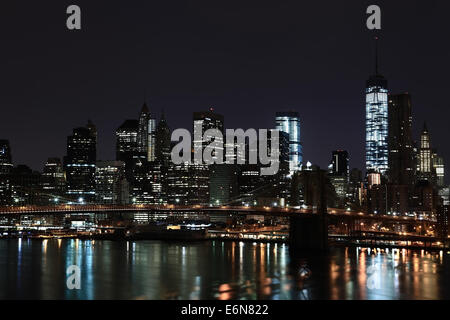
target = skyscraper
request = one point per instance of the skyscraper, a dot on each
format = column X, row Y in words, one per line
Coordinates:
column 162, row 141
column 142, row 135
column 439, row 170
column 80, row 164
column 339, row 172
column 425, row 164
column 376, row 121
column 401, row 148
column 339, row 162
column 110, row 183
column 146, row 134
column 207, row 120
column 289, row 122
column 6, row 167
column 127, row 148
column 222, row 183
column 53, row 181
column 5, row 157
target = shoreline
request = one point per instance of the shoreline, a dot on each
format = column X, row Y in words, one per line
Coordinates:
column 206, row 239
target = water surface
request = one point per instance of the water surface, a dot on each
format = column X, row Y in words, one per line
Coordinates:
column 36, row 269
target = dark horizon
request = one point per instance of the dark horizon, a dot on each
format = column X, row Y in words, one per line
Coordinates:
column 247, row 62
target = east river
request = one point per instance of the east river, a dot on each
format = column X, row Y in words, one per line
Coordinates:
column 37, row 269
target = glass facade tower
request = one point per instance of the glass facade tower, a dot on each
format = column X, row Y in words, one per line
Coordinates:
column 377, row 123
column 289, row 122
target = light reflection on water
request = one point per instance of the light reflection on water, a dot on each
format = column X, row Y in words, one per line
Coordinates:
column 34, row 269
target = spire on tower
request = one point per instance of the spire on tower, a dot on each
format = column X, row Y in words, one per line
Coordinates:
column 376, row 55
column 144, row 108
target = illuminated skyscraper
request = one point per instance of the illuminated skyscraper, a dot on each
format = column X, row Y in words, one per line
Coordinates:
column 146, row 134
column 377, row 122
column 425, row 155
column 439, row 170
column 151, row 149
column 289, row 122
column 142, row 135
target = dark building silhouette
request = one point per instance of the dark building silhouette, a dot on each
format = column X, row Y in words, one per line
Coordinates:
column 127, row 148
column 339, row 173
column 6, row 166
column 80, row 164
column 5, row 157
column 162, row 141
column 356, row 188
column 53, row 180
column 340, row 163
column 377, row 201
column 310, row 187
column 443, row 216
column 401, row 174
column 25, row 184
column 401, row 149
column 425, row 199
column 223, row 185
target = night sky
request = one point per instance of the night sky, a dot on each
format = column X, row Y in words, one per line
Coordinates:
column 246, row 59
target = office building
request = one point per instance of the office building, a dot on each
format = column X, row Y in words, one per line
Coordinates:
column 80, row 165
column 188, row 184
column 53, row 180
column 206, row 120
column 400, row 142
column 339, row 173
column 223, row 185
column 439, row 170
column 425, row 165
column 6, row 166
column 111, row 186
column 377, row 122
column 289, row 122
column 162, row 142
column 26, row 186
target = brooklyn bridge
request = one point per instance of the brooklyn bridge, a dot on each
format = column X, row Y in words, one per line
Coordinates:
column 309, row 227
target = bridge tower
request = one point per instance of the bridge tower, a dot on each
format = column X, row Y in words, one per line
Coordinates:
column 309, row 232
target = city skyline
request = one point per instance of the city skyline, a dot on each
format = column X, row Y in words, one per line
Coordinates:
column 196, row 151
column 267, row 73
column 163, row 115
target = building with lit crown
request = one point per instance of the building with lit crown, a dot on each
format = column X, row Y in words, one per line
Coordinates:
column 377, row 122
